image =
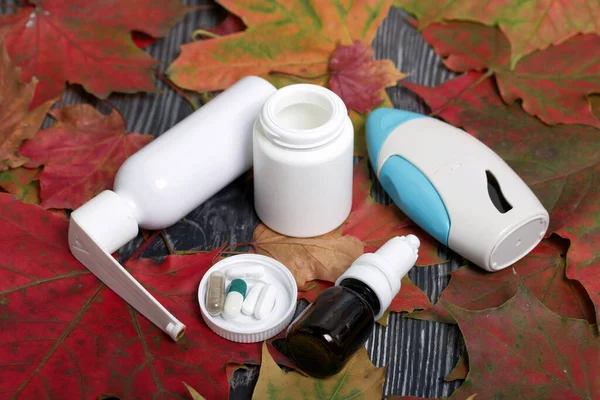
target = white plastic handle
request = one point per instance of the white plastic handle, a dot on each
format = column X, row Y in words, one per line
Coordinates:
column 109, row 271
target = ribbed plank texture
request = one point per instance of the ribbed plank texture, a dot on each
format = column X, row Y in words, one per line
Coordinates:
column 417, row 354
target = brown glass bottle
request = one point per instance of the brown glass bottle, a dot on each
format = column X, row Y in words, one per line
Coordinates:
column 331, row 329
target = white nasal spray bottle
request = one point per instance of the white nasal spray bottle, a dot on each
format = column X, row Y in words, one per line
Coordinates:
column 455, row 188
column 162, row 183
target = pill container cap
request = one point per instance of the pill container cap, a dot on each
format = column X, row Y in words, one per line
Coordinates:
column 245, row 328
column 383, row 270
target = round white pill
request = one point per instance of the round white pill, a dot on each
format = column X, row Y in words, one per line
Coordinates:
column 265, row 303
column 252, row 298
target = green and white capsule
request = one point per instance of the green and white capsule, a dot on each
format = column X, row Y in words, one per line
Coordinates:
column 235, row 299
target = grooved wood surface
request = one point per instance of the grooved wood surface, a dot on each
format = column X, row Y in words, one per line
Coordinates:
column 418, row 354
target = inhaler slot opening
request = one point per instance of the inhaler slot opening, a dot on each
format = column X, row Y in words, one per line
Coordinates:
column 303, row 111
column 495, row 193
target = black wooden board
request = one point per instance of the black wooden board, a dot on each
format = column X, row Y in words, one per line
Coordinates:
column 418, row 354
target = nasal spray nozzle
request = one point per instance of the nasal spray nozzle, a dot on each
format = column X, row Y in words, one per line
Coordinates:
column 383, row 270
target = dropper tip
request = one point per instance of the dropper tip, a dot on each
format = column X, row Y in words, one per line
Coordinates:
column 413, row 241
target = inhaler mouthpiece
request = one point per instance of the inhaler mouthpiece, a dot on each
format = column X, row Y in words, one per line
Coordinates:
column 108, row 219
column 383, row 270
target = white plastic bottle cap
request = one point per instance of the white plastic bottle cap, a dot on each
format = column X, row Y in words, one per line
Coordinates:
column 246, row 328
column 383, row 270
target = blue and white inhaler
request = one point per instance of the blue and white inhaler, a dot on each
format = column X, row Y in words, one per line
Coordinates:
column 455, row 188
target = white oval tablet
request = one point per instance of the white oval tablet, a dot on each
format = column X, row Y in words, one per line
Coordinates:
column 246, row 271
column 252, row 298
column 265, row 303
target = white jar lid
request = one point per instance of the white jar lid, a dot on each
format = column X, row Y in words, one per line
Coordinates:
column 246, row 328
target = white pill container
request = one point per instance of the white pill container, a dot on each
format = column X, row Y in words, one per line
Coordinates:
column 303, row 155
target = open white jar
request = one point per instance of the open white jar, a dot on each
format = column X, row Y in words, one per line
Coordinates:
column 303, row 156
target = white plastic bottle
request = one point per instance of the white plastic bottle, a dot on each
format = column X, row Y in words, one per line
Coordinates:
column 303, row 157
column 162, row 183
column 181, row 169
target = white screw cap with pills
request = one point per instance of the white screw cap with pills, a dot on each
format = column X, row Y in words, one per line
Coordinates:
column 259, row 298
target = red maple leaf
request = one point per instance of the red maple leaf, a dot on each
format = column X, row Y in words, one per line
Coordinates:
column 231, row 24
column 81, row 154
column 528, row 25
column 542, row 271
column 16, row 122
column 375, row 223
column 65, row 335
column 142, row 40
column 358, row 79
column 460, row 370
column 523, row 350
column 87, row 42
column 554, row 84
column 409, row 298
column 314, row 289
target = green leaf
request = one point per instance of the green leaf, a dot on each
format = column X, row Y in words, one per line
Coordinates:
column 195, row 395
column 358, row 380
column 21, row 183
column 285, row 36
column 529, row 25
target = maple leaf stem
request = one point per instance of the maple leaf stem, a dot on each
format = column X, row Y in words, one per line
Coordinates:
column 167, row 243
column 177, row 89
column 482, row 78
column 198, row 33
column 140, row 250
column 113, row 107
column 325, row 75
column 205, row 97
column 10, row 6
column 225, row 249
column 191, row 252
